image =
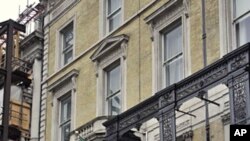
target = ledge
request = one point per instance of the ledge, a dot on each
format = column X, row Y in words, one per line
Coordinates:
column 63, row 79
column 162, row 9
column 31, row 38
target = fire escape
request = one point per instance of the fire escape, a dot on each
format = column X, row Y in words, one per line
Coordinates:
column 18, row 72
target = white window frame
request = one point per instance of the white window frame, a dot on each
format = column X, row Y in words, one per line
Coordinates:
column 60, row 89
column 66, row 97
column 112, row 14
column 59, row 49
column 104, row 17
column 169, row 28
column 113, row 50
column 228, row 22
column 237, row 20
column 158, row 22
column 103, row 109
column 64, row 48
column 119, row 92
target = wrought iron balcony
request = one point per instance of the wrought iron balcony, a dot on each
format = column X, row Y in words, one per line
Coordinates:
column 231, row 70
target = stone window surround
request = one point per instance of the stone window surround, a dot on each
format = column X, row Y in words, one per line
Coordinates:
column 58, row 49
column 158, row 22
column 103, row 22
column 59, row 89
column 111, row 50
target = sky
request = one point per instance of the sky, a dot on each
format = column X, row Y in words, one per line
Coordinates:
column 9, row 9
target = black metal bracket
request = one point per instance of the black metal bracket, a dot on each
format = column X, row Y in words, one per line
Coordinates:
column 201, row 96
column 186, row 113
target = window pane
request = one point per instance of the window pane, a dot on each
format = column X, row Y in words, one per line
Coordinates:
column 114, row 80
column 241, row 7
column 113, row 5
column 68, row 39
column 65, row 132
column 243, row 31
column 174, row 71
column 115, row 104
column 68, row 56
column 114, row 21
column 65, row 110
column 173, row 43
column 67, row 44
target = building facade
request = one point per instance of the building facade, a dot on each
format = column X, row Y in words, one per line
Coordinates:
column 103, row 57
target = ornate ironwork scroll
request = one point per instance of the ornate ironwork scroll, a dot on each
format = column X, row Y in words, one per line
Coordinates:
column 205, row 80
column 167, row 126
column 239, row 98
column 239, row 61
column 167, row 99
column 233, row 69
column 149, row 110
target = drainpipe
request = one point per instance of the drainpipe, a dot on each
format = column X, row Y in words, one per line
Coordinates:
column 204, row 37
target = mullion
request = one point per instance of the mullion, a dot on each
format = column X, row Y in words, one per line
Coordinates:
column 67, row 48
column 114, row 94
column 172, row 59
column 247, row 13
column 65, row 122
column 113, row 13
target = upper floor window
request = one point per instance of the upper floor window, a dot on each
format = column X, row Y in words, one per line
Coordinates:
column 113, row 10
column 170, row 37
column 67, row 38
column 63, row 94
column 113, row 99
column 173, row 54
column 110, row 62
column 65, row 113
column 242, row 21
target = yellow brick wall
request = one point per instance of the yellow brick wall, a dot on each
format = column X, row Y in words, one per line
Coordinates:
column 139, row 77
column 85, row 38
column 212, row 30
column 86, row 16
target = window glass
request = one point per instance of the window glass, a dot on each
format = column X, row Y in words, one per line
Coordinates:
column 114, row 80
column 67, row 46
column 113, row 5
column 68, row 39
column 242, row 21
column 68, row 56
column 173, row 56
column 173, row 42
column 113, row 14
column 65, row 109
column 114, row 90
column 114, row 21
column 65, row 118
column 115, row 104
column 174, row 71
column 241, row 7
column 243, row 31
column 65, row 132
